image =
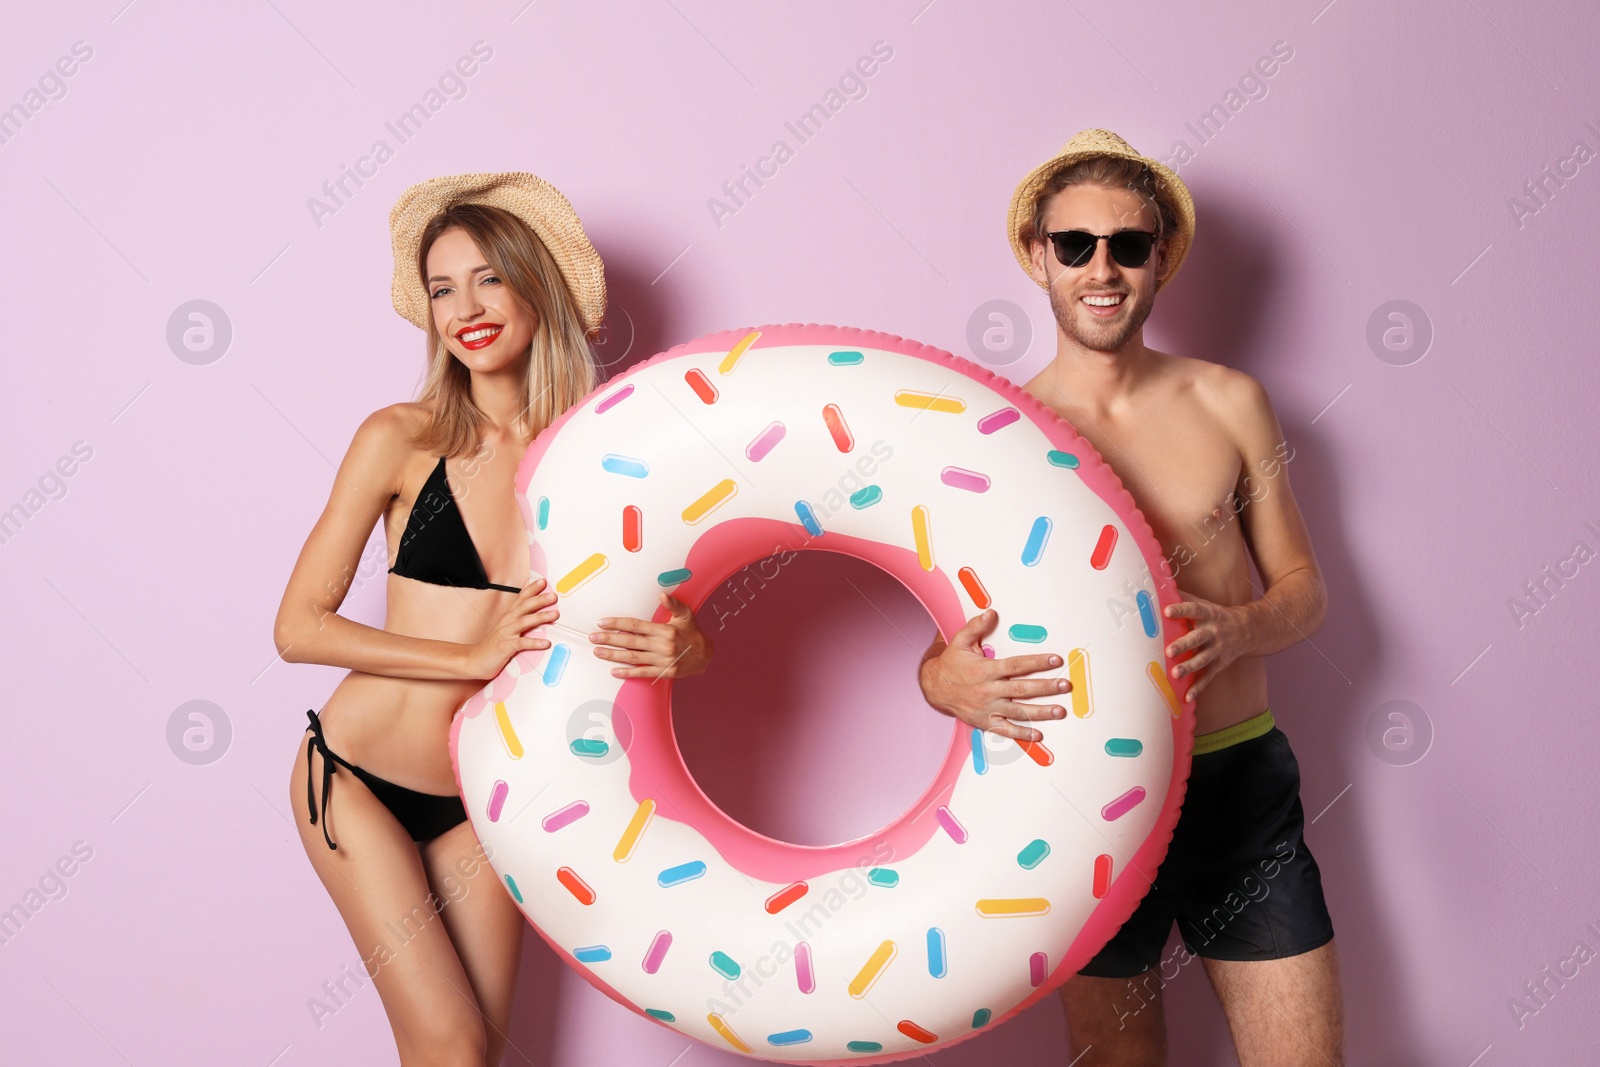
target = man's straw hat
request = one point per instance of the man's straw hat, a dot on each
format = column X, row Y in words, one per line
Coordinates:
column 1084, row 145
column 530, row 198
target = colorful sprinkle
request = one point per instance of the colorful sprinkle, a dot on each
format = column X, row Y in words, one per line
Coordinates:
column 683, row 872
column 786, row 896
column 1123, row 804
column 884, row 877
column 916, row 1033
column 725, row 1032
column 789, row 1037
column 1158, row 678
column 1037, row 752
column 1078, row 675
column 911, row 398
column 951, row 824
column 555, row 664
column 873, row 969
column 614, row 399
column 632, row 528
column 1102, row 875
column 961, row 478
column 580, row 574
column 592, row 954
column 980, row 756
column 865, row 498
column 664, row 1016
column 919, row 528
column 731, row 360
column 804, row 976
column 1062, row 459
column 843, row 439
column 630, row 836
column 564, row 816
column 508, row 733
column 724, row 965
column 588, row 747
column 624, row 465
column 1102, row 548
column 497, row 799
column 1028, row 632
column 709, row 501
column 981, row 1017
column 845, row 359
column 974, row 587
column 938, row 966
column 657, row 952
column 863, row 1046
column 758, row 448
column 544, row 512
column 1038, row 536
column 1124, row 746
column 808, row 518
column 996, row 420
column 1011, row 907
column 1147, row 612
column 575, row 885
column 511, row 884
column 1038, row 969
column 701, row 385
column 674, row 577
column 1034, row 854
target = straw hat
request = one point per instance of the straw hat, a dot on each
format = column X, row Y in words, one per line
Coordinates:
column 1086, row 144
column 530, row 198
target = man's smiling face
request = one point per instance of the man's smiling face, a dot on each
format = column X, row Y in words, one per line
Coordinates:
column 1102, row 304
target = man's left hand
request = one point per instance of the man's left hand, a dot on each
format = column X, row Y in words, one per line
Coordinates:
column 1219, row 636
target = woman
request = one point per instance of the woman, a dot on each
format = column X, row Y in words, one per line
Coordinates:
column 497, row 271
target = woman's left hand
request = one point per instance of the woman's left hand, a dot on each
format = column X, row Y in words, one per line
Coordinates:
column 676, row 648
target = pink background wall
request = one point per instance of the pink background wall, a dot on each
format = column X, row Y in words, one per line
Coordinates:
column 1375, row 165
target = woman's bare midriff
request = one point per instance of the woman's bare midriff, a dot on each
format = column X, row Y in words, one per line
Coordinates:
column 399, row 728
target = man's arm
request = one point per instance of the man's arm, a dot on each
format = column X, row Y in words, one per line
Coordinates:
column 1294, row 602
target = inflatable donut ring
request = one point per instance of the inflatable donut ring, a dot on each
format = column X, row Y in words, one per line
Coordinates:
column 1015, row 866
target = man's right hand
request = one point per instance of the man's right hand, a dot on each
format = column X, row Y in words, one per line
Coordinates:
column 959, row 680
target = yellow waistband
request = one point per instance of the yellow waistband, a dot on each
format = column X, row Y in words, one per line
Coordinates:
column 1254, row 726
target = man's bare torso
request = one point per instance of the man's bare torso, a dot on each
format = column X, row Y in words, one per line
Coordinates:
column 1171, row 444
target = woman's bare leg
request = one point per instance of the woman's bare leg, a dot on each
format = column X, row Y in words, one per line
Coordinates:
column 484, row 925
column 377, row 881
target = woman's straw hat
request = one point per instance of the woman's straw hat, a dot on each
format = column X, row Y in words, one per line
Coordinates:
column 1084, row 145
column 530, row 198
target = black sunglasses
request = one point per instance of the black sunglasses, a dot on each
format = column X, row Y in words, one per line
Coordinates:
column 1130, row 248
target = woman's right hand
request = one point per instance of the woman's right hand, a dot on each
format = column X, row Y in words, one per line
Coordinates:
column 532, row 607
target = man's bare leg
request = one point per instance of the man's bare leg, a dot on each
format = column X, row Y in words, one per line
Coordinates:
column 1283, row 1013
column 1115, row 1022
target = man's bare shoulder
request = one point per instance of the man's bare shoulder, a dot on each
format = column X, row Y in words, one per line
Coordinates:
column 1226, row 393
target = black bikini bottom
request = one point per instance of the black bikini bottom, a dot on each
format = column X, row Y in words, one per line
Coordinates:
column 423, row 815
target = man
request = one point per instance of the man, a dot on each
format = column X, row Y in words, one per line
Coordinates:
column 1102, row 229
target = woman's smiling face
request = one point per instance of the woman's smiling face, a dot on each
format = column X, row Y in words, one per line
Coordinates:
column 473, row 309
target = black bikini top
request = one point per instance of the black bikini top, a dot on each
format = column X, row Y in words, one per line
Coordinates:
column 436, row 547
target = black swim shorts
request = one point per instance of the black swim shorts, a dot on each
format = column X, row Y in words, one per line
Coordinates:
column 1238, row 878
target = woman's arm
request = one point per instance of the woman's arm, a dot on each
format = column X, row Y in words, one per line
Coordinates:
column 309, row 628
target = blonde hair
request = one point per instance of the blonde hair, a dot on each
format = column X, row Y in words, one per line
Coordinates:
column 560, row 370
column 1111, row 172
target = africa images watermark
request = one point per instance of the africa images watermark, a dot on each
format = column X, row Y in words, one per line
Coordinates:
column 1252, row 85
column 1252, row 890
column 853, row 486
column 340, row 991
column 854, row 884
column 851, row 85
column 1540, row 991
column 1253, row 491
column 450, row 85
column 1538, row 592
